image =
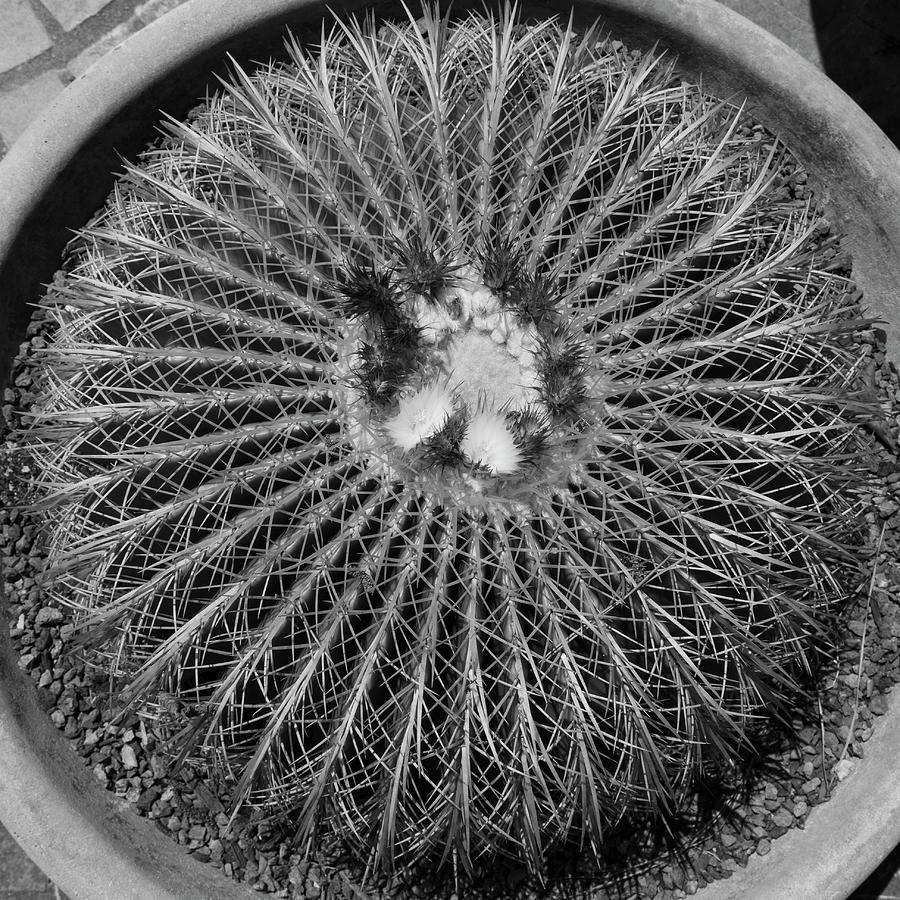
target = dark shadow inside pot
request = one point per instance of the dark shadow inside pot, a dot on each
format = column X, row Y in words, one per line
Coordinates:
column 870, row 74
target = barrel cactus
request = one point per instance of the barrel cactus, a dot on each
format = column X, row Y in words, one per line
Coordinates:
column 452, row 420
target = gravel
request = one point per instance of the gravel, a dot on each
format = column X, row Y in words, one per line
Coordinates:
column 743, row 816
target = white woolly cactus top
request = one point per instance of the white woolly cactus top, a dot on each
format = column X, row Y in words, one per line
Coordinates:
column 419, row 416
column 489, row 442
column 474, row 368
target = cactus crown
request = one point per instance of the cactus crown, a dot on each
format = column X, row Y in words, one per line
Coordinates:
column 452, row 417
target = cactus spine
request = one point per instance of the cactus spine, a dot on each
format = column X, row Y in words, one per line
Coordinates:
column 454, row 421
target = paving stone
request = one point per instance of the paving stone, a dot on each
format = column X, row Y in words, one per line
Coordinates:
column 153, row 9
column 19, row 876
column 110, row 40
column 22, row 37
column 18, row 106
column 49, row 894
column 70, row 13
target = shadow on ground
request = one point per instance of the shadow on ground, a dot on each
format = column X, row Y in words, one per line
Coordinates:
column 860, row 45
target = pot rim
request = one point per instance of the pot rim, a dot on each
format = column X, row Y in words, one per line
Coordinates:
column 90, row 842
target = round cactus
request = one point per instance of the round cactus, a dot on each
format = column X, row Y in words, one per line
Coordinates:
column 455, row 423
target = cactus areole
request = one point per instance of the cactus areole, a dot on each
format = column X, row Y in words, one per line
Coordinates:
column 452, row 419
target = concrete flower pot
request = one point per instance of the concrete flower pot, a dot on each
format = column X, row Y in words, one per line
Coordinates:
column 61, row 170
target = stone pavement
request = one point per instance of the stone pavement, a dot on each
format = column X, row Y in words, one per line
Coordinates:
column 45, row 44
column 20, row 878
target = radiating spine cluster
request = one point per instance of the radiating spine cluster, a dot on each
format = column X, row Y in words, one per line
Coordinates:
column 441, row 627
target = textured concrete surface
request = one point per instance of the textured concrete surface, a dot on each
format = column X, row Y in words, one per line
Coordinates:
column 23, row 37
column 44, row 44
column 20, row 878
column 70, row 13
column 17, row 104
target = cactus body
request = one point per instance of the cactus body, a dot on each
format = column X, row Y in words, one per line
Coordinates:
column 434, row 616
